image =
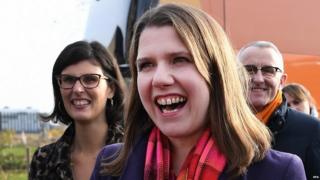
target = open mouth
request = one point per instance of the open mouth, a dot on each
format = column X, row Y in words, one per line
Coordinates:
column 170, row 104
column 258, row 88
column 81, row 102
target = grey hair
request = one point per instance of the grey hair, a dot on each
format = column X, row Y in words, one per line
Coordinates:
column 261, row 44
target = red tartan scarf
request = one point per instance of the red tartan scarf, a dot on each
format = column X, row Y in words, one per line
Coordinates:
column 204, row 161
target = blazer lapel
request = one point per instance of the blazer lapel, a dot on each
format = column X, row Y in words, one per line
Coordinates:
column 134, row 169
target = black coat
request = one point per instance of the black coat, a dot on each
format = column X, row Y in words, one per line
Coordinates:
column 299, row 134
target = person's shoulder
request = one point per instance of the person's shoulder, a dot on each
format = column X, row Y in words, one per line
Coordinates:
column 282, row 158
column 302, row 116
column 282, row 165
column 41, row 160
column 301, row 119
column 111, row 148
column 107, row 154
column 44, row 152
column 110, row 151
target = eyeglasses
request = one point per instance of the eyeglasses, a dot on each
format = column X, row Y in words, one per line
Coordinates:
column 268, row 71
column 88, row 81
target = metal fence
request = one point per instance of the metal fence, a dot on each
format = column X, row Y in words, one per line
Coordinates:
column 23, row 120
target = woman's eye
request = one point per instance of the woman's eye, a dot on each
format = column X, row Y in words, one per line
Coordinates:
column 68, row 79
column 144, row 66
column 181, row 60
column 295, row 102
column 90, row 79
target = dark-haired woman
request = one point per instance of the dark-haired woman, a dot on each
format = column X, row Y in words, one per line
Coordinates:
column 88, row 95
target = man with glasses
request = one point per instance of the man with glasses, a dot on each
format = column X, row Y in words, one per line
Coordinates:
column 293, row 132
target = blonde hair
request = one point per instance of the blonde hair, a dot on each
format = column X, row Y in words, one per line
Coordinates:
column 238, row 133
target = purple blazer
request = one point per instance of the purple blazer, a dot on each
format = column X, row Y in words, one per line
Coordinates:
column 276, row 165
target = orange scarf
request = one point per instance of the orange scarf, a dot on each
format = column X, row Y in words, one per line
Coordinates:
column 265, row 114
column 205, row 161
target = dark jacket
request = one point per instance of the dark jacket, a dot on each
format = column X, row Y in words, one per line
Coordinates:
column 276, row 165
column 52, row 162
column 297, row 133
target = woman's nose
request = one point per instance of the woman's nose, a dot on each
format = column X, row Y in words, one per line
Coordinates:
column 78, row 87
column 162, row 76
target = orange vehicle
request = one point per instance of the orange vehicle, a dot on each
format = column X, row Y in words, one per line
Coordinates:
column 292, row 25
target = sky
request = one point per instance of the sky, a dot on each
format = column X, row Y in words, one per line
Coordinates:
column 32, row 34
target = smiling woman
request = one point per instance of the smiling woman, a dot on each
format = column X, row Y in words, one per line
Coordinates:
column 162, row 78
column 89, row 92
column 187, row 115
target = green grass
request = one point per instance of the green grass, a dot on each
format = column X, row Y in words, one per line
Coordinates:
column 13, row 162
column 18, row 151
column 19, row 156
column 13, row 175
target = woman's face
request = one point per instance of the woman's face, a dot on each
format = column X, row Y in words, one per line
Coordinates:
column 171, row 89
column 82, row 104
column 302, row 106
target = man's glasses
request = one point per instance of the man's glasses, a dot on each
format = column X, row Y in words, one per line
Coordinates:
column 88, row 81
column 268, row 71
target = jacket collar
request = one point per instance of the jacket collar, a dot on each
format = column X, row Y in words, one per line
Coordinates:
column 61, row 153
column 277, row 119
column 134, row 168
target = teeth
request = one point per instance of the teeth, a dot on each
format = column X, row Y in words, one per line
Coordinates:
column 169, row 101
column 80, row 102
column 162, row 101
column 173, row 100
column 169, row 110
column 257, row 89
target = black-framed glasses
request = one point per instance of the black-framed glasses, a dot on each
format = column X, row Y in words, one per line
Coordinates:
column 88, row 81
column 268, row 71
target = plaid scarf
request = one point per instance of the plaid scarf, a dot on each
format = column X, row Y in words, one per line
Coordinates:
column 265, row 114
column 204, row 161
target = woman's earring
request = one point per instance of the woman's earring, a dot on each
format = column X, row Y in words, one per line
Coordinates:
column 111, row 101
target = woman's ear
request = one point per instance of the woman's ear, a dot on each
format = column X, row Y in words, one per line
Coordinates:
column 110, row 91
